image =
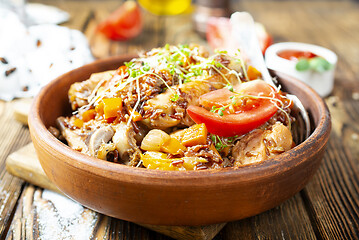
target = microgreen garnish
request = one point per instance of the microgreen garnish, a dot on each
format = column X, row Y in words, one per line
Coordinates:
column 218, row 143
column 219, row 110
column 230, row 87
column 317, row 64
column 221, row 143
column 221, row 51
column 182, row 62
column 175, row 98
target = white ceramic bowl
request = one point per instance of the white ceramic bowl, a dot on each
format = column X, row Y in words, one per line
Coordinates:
column 321, row 82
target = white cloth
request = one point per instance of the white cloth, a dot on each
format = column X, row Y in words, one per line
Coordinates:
column 37, row 55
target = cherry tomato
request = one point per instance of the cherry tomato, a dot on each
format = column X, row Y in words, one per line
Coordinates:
column 124, row 23
column 244, row 116
column 219, row 32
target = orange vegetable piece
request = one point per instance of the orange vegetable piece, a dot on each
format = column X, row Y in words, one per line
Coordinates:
column 88, row 115
column 99, row 108
column 213, row 148
column 122, row 70
column 173, row 146
column 78, row 123
column 136, row 117
column 111, row 107
column 157, row 160
column 253, row 73
column 195, row 135
column 178, row 134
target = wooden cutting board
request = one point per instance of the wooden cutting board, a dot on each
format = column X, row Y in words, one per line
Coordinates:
column 25, row 164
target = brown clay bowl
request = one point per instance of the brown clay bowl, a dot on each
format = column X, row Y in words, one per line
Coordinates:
column 173, row 198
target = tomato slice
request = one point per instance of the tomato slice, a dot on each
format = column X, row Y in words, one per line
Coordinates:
column 219, row 32
column 245, row 116
column 124, row 23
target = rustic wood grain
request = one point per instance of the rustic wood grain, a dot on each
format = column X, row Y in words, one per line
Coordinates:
column 24, row 164
column 287, row 221
column 21, row 109
column 12, row 136
column 328, row 207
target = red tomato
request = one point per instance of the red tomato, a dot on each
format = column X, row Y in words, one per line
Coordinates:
column 124, row 23
column 245, row 118
column 219, row 32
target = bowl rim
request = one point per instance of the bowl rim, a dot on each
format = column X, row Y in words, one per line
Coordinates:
column 124, row 173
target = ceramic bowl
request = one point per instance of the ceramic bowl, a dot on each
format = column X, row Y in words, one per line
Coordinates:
column 322, row 82
column 165, row 197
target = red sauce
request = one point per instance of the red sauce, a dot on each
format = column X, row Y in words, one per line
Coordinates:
column 294, row 55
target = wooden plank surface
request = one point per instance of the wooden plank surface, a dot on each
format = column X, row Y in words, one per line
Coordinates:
column 326, row 209
column 24, row 164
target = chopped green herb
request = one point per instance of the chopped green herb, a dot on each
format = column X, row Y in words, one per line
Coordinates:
column 302, row 64
column 317, row 64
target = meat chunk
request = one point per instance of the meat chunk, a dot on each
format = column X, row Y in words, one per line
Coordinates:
column 164, row 111
column 80, row 91
column 260, row 145
column 125, row 143
column 75, row 140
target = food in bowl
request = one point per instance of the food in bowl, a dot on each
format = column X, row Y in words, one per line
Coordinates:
column 145, row 196
column 177, row 108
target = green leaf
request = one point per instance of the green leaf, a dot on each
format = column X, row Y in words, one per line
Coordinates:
column 302, row 65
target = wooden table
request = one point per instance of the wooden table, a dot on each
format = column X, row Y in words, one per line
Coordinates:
column 328, row 207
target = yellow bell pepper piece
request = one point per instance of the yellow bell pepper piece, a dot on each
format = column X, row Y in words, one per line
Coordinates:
column 159, row 161
column 173, row 146
column 78, row 123
column 195, row 135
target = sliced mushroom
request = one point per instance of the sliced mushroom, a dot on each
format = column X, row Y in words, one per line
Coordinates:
column 99, row 137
